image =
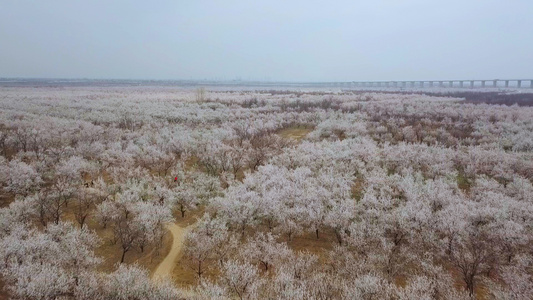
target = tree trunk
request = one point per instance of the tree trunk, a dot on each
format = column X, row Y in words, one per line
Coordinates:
column 82, row 221
column 199, row 272
column 289, row 235
column 470, row 285
column 338, row 236
column 123, row 255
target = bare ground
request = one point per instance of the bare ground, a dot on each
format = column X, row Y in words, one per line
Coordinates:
column 296, row 133
column 167, row 265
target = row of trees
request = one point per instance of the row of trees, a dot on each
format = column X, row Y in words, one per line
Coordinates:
column 399, row 196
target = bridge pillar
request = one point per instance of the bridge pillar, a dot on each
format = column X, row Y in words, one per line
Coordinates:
column 531, row 84
column 461, row 83
column 495, row 83
column 441, row 84
column 471, row 84
column 431, row 84
column 482, row 83
column 507, row 83
column 519, row 83
column 451, row 83
column 421, row 84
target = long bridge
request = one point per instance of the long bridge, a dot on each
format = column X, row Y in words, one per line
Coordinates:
column 492, row 83
column 471, row 83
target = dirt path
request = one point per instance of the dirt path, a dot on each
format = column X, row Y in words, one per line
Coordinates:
column 166, row 266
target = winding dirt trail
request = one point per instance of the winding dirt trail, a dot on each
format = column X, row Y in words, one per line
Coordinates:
column 166, row 266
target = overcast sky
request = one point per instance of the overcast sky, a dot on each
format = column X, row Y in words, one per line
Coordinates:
column 274, row 40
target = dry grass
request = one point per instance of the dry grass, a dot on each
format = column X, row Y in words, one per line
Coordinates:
column 4, row 295
column 463, row 182
column 358, row 188
column 309, row 243
column 183, row 275
column 296, row 133
column 191, row 163
column 6, row 199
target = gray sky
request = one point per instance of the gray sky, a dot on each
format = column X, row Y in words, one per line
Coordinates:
column 275, row 40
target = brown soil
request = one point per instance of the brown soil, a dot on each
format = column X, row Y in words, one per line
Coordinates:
column 296, row 133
